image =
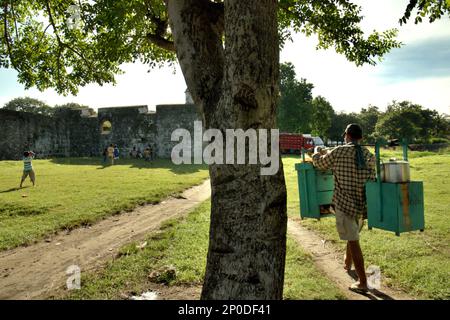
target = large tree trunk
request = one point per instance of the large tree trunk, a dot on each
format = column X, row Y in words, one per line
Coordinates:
column 237, row 87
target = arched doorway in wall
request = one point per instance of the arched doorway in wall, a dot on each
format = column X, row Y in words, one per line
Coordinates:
column 106, row 127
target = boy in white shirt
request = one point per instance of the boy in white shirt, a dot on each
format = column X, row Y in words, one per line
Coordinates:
column 28, row 167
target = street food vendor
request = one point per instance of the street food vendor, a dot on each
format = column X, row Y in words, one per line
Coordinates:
column 352, row 165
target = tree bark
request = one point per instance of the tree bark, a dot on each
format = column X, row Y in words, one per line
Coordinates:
column 199, row 49
column 236, row 86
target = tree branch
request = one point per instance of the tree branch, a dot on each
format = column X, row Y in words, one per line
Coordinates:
column 43, row 35
column 158, row 36
column 199, row 47
column 215, row 12
column 52, row 22
column 161, row 42
column 6, row 36
column 14, row 18
column 62, row 43
column 58, row 59
column 433, row 9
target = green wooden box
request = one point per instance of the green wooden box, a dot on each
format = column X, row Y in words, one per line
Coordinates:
column 396, row 207
column 315, row 189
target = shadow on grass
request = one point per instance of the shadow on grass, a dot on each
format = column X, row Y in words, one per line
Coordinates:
column 133, row 163
column 13, row 189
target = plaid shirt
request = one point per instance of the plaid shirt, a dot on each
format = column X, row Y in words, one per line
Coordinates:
column 349, row 181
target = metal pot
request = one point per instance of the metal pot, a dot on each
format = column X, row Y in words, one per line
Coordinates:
column 395, row 171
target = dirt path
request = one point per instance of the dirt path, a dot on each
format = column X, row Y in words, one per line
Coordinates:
column 34, row 272
column 330, row 262
column 37, row 271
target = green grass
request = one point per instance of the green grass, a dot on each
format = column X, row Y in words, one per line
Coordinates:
column 418, row 263
column 183, row 244
column 397, row 153
column 303, row 280
column 71, row 192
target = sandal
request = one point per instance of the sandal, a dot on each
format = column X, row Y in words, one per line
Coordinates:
column 356, row 288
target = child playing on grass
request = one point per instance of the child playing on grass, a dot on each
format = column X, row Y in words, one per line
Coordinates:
column 28, row 167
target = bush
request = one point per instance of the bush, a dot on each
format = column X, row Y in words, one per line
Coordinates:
column 439, row 140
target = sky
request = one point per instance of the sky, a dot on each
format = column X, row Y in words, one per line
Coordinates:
column 418, row 72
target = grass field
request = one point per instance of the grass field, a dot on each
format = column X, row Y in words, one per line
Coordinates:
column 418, row 263
column 183, row 244
column 73, row 192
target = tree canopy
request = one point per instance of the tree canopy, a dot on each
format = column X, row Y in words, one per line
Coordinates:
column 48, row 51
column 294, row 111
column 32, row 105
column 27, row 104
column 338, row 123
column 299, row 112
column 322, row 117
column 368, row 118
column 64, row 44
column 434, row 9
column 73, row 106
column 411, row 121
column 41, row 40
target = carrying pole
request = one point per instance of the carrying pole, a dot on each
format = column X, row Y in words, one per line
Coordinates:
column 304, row 183
column 377, row 159
column 405, row 149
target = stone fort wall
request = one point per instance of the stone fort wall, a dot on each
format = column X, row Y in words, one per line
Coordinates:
column 71, row 134
column 169, row 118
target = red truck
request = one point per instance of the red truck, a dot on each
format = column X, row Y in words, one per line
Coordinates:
column 294, row 142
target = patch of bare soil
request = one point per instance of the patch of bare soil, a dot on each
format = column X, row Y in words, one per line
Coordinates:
column 39, row 270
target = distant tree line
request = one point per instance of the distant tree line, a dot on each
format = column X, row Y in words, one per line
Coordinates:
column 27, row 104
column 300, row 112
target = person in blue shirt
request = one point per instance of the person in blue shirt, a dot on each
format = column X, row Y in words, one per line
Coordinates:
column 28, row 156
column 116, row 152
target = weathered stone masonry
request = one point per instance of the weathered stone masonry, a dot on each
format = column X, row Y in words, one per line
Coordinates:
column 71, row 134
